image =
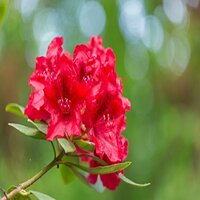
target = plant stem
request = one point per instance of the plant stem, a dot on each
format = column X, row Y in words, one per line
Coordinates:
column 4, row 193
column 32, row 180
column 54, row 150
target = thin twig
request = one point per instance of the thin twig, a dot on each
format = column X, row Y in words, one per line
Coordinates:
column 54, row 150
column 4, row 193
column 32, row 180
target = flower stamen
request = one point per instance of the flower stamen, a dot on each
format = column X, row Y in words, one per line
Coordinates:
column 64, row 105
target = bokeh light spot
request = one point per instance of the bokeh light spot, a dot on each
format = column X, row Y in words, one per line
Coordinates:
column 26, row 7
column 175, row 54
column 182, row 55
column 136, row 61
column 153, row 34
column 166, row 54
column 132, row 19
column 175, row 10
column 45, row 28
column 92, row 18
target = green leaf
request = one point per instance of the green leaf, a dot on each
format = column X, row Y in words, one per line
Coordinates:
column 126, row 180
column 3, row 7
column 85, row 145
column 66, row 145
column 80, row 175
column 22, row 195
column 28, row 131
column 83, row 177
column 66, row 172
column 42, row 127
column 16, row 109
column 11, row 188
column 41, row 196
column 102, row 169
column 101, row 162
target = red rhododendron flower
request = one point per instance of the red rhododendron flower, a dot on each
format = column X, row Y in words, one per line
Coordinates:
column 58, row 93
column 82, row 95
column 106, row 122
column 105, row 107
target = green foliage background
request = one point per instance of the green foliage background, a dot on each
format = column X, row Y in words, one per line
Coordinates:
column 162, row 83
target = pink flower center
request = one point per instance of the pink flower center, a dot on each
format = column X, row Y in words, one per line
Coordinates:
column 87, row 78
column 47, row 74
column 64, row 105
column 108, row 119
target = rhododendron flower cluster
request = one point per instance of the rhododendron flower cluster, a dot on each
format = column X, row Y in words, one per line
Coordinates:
column 80, row 96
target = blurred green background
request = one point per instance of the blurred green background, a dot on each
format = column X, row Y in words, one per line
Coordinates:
column 157, row 45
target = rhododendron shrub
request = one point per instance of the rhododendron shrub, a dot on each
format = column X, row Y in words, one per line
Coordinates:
column 77, row 100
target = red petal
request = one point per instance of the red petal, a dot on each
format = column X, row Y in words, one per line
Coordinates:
column 92, row 178
column 38, row 99
column 115, row 147
column 126, row 103
column 56, row 127
column 55, row 47
column 34, row 114
column 81, row 53
column 41, row 63
column 95, row 42
column 111, row 181
column 74, row 122
column 35, row 109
